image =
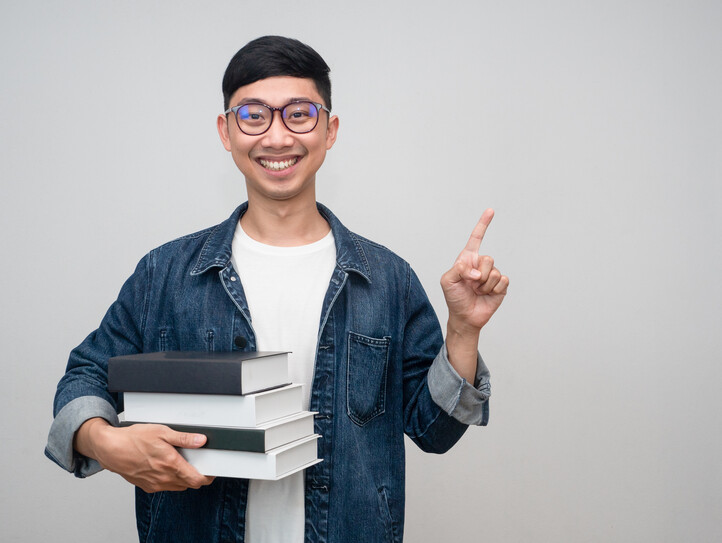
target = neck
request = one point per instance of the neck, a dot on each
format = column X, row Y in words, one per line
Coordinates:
column 284, row 223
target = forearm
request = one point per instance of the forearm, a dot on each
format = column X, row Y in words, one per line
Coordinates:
column 462, row 344
column 144, row 455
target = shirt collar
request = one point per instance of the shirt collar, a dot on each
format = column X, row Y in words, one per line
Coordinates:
column 216, row 252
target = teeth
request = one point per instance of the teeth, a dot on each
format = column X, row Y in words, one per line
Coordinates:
column 276, row 166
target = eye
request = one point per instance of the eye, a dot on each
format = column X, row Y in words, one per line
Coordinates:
column 300, row 113
column 253, row 113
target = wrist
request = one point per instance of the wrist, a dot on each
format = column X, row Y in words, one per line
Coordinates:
column 88, row 436
column 461, row 347
column 459, row 328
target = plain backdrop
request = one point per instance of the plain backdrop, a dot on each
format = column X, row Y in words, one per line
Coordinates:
column 594, row 130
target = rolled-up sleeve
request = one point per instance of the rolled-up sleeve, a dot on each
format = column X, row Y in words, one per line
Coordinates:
column 60, row 438
column 455, row 395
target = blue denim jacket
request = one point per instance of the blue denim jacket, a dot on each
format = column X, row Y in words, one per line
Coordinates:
column 381, row 371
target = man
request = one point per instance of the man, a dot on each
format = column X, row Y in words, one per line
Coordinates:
column 282, row 273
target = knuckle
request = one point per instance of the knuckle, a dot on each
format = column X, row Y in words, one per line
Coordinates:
column 151, row 488
column 178, row 465
column 194, row 479
column 168, row 462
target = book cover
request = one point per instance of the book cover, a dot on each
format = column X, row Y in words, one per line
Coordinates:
column 260, row 439
column 214, row 409
column 198, row 372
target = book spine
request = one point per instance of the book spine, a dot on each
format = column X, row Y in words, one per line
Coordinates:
column 227, row 439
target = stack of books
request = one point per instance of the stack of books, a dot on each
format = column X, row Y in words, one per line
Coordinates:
column 241, row 401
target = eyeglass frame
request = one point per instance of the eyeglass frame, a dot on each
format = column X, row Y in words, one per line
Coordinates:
column 235, row 109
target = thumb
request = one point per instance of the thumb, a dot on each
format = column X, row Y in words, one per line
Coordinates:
column 185, row 440
column 464, row 269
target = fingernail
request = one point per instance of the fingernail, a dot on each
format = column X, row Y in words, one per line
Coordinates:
column 475, row 274
column 198, row 440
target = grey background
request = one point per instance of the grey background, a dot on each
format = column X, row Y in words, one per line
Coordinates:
column 593, row 129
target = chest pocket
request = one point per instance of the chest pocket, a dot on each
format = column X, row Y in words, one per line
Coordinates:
column 367, row 366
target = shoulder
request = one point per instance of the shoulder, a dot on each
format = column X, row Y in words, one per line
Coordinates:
column 199, row 250
column 384, row 269
column 184, row 242
column 356, row 252
column 378, row 252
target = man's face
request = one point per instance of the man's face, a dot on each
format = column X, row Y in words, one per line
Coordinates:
column 279, row 164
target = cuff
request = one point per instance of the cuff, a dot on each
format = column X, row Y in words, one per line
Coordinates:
column 60, row 438
column 466, row 403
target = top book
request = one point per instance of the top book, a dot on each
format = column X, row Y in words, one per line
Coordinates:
column 198, row 372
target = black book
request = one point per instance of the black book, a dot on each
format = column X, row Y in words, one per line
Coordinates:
column 259, row 439
column 198, row 372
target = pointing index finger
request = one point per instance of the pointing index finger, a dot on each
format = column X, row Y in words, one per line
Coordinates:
column 477, row 235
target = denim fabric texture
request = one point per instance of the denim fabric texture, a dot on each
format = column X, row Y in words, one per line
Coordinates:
column 378, row 337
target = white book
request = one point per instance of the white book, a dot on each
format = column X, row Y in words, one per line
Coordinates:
column 273, row 465
column 213, row 409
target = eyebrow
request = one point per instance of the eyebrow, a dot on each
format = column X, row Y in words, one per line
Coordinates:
column 260, row 101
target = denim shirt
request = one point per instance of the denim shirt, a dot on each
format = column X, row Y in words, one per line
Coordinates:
column 381, row 372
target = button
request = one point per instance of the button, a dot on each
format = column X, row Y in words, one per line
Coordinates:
column 233, row 277
column 240, row 341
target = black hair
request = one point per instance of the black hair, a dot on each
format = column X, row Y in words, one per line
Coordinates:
column 271, row 56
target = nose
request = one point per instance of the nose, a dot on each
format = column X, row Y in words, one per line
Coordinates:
column 277, row 136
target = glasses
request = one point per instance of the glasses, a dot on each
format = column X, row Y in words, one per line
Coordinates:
column 255, row 118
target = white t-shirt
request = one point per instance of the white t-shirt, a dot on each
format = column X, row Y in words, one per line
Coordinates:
column 284, row 288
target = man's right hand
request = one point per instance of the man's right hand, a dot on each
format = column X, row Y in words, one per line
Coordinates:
column 143, row 454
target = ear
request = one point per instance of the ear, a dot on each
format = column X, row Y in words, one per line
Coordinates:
column 222, row 125
column 331, row 132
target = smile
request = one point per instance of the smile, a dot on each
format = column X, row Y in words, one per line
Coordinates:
column 277, row 166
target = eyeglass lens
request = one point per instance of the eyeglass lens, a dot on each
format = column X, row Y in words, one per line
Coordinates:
column 298, row 117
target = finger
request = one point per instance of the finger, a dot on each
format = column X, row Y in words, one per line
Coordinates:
column 183, row 472
column 184, row 440
column 477, row 235
column 465, row 270
column 486, row 264
column 491, row 282
column 501, row 286
column 173, row 482
column 203, row 480
column 193, row 478
column 186, row 475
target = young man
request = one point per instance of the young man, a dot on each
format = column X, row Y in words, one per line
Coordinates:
column 282, row 273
